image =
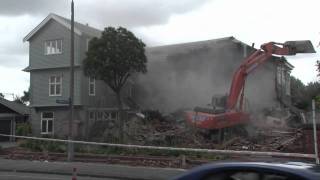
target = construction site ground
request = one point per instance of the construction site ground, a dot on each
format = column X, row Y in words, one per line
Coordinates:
column 166, row 132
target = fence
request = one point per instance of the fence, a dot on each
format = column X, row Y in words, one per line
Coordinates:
column 213, row 151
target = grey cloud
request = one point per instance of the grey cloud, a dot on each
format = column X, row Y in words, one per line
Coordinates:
column 31, row 7
column 15, row 47
column 130, row 13
column 14, row 61
column 103, row 13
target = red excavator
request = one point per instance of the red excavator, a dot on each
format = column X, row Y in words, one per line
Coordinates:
column 229, row 111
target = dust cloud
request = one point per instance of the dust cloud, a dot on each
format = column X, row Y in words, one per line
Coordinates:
column 187, row 75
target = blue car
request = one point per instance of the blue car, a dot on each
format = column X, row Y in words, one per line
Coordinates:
column 253, row 171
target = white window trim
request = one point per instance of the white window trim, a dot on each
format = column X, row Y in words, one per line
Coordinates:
column 47, row 119
column 56, row 44
column 87, row 43
column 94, row 86
column 94, row 115
column 109, row 115
column 55, row 83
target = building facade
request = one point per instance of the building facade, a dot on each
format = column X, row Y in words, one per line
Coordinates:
column 49, row 62
column 179, row 76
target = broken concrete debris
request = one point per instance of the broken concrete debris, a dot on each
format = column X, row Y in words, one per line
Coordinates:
column 172, row 131
column 268, row 134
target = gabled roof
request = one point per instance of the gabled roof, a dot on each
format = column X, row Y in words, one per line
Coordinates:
column 86, row 29
column 78, row 27
column 18, row 108
column 160, row 53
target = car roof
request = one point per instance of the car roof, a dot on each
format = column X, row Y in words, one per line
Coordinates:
column 304, row 170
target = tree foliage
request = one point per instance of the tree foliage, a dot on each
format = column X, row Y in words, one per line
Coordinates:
column 302, row 95
column 25, row 99
column 318, row 67
column 113, row 58
column 298, row 90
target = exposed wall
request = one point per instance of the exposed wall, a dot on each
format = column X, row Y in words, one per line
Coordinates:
column 39, row 83
column 188, row 75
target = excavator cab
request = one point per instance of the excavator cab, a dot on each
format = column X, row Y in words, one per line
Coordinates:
column 219, row 102
column 218, row 105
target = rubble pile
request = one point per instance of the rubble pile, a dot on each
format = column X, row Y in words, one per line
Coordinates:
column 164, row 132
column 173, row 131
column 274, row 141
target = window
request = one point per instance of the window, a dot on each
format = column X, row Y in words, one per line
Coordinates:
column 99, row 115
column 87, row 44
column 92, row 86
column 47, row 123
column 92, row 115
column 130, row 90
column 53, row 47
column 279, row 74
column 110, row 116
column 55, row 86
column 288, row 83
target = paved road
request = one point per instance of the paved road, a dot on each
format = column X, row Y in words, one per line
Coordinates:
column 33, row 176
column 87, row 169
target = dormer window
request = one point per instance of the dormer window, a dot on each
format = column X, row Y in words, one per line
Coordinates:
column 53, row 47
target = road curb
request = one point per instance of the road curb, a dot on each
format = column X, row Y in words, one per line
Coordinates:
column 89, row 170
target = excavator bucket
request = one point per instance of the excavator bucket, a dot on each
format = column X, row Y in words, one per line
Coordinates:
column 300, row 46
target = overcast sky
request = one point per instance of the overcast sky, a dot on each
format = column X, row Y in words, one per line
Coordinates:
column 159, row 22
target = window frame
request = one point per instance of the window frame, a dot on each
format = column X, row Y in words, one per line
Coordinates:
column 51, row 42
column 87, row 44
column 110, row 115
column 93, row 83
column 93, row 118
column 55, row 85
column 47, row 125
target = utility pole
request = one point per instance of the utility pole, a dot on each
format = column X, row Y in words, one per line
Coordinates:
column 315, row 131
column 70, row 129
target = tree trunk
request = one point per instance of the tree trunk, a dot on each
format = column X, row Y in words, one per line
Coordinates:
column 120, row 118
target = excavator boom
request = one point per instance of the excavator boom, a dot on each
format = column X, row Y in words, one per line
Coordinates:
column 232, row 115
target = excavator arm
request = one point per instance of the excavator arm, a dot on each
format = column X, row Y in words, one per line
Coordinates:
column 256, row 59
column 232, row 116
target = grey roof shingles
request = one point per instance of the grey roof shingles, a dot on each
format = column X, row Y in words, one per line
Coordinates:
column 19, row 108
column 91, row 31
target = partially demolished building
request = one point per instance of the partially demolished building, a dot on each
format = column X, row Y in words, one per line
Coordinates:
column 183, row 76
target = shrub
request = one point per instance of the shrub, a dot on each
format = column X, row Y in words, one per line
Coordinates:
column 39, row 146
column 23, row 129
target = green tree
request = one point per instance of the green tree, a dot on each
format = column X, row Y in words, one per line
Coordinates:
column 313, row 92
column 298, row 93
column 18, row 99
column 26, row 96
column 302, row 95
column 318, row 67
column 2, row 95
column 25, row 99
column 113, row 58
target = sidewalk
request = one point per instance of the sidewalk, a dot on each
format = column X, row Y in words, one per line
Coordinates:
column 89, row 169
